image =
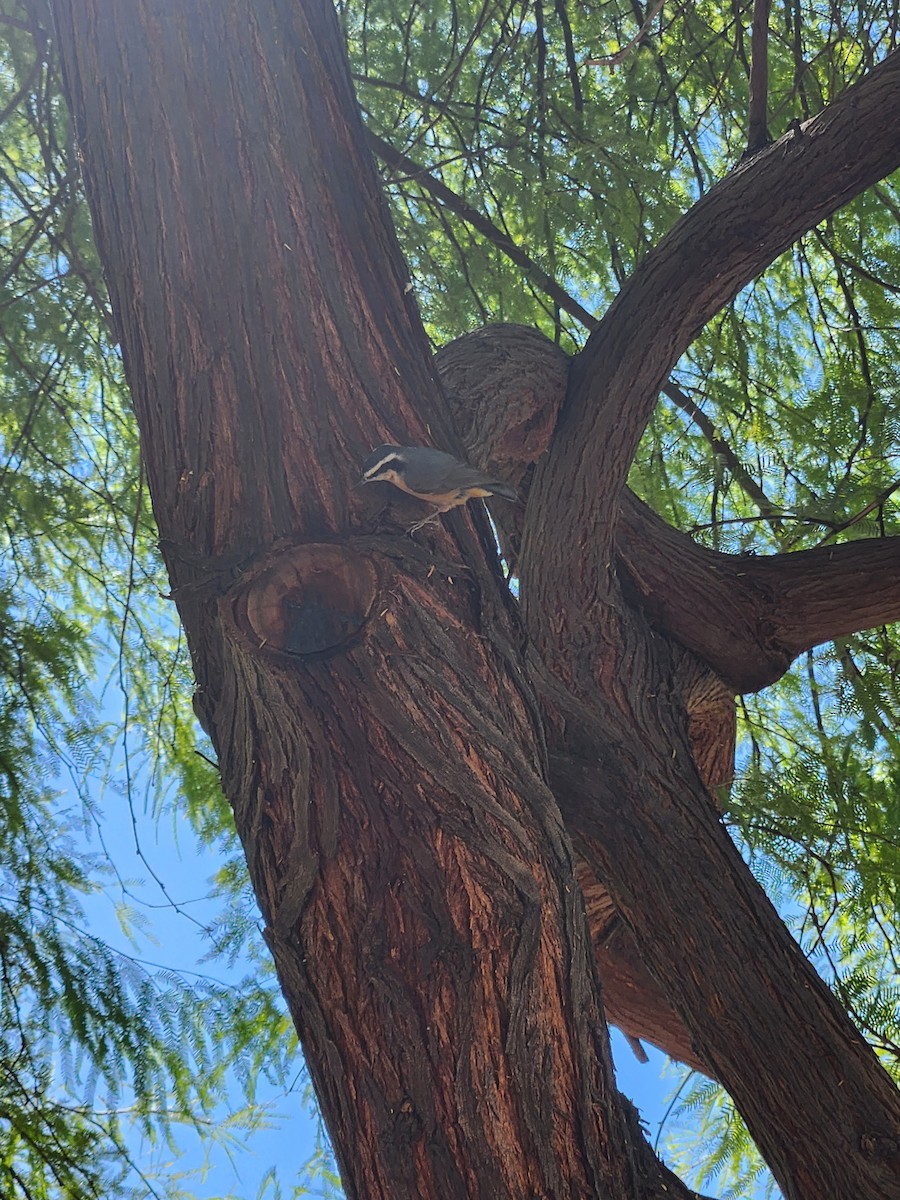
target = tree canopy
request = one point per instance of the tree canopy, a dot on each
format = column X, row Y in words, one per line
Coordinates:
column 538, row 163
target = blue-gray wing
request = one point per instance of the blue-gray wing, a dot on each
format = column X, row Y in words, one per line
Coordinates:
column 464, row 477
column 433, row 471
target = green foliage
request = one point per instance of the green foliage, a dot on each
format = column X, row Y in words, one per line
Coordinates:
column 783, row 433
column 709, row 1144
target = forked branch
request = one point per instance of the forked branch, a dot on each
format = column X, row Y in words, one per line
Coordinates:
column 729, row 236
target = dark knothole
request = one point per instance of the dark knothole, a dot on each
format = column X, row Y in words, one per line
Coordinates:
column 307, row 602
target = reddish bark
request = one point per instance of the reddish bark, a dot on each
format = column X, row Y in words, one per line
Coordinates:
column 377, row 734
column 382, row 733
column 746, row 618
column 623, row 770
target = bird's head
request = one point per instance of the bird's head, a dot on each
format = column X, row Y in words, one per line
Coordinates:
column 385, row 463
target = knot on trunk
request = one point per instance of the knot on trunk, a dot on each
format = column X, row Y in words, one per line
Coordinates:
column 306, row 601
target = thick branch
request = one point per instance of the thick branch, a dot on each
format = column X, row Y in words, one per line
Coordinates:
column 749, row 617
column 505, row 384
column 623, row 773
column 828, row 592
column 726, row 239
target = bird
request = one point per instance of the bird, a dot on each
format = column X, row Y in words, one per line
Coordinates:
column 431, row 475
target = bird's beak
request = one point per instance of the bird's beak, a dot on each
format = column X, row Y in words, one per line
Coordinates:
column 359, row 483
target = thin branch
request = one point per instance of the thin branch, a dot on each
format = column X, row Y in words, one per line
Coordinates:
column 757, row 122
column 571, row 61
column 876, row 502
column 719, row 445
column 16, row 99
column 14, row 23
column 450, row 200
column 619, row 57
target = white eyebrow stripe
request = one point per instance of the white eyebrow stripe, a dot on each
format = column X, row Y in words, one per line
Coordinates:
column 393, row 457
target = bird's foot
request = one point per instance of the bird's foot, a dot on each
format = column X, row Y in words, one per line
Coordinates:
column 429, row 520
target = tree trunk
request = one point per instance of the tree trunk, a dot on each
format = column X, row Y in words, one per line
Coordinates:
column 382, row 728
column 377, row 733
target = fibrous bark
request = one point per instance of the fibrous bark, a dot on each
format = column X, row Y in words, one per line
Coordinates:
column 387, row 735
column 621, row 708
column 377, row 733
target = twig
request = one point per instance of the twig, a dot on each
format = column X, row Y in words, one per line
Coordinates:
column 880, row 498
column 571, row 61
column 618, row 58
column 721, row 447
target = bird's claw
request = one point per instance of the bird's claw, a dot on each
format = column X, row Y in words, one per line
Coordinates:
column 425, row 521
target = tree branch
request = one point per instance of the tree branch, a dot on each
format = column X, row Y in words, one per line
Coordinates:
column 828, row 592
column 504, row 385
column 750, row 617
column 616, row 60
column 450, row 200
column 757, row 122
column 571, row 60
column 719, row 446
column 766, row 1026
column 729, row 236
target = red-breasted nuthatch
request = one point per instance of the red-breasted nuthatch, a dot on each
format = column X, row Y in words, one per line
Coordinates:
column 431, row 475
